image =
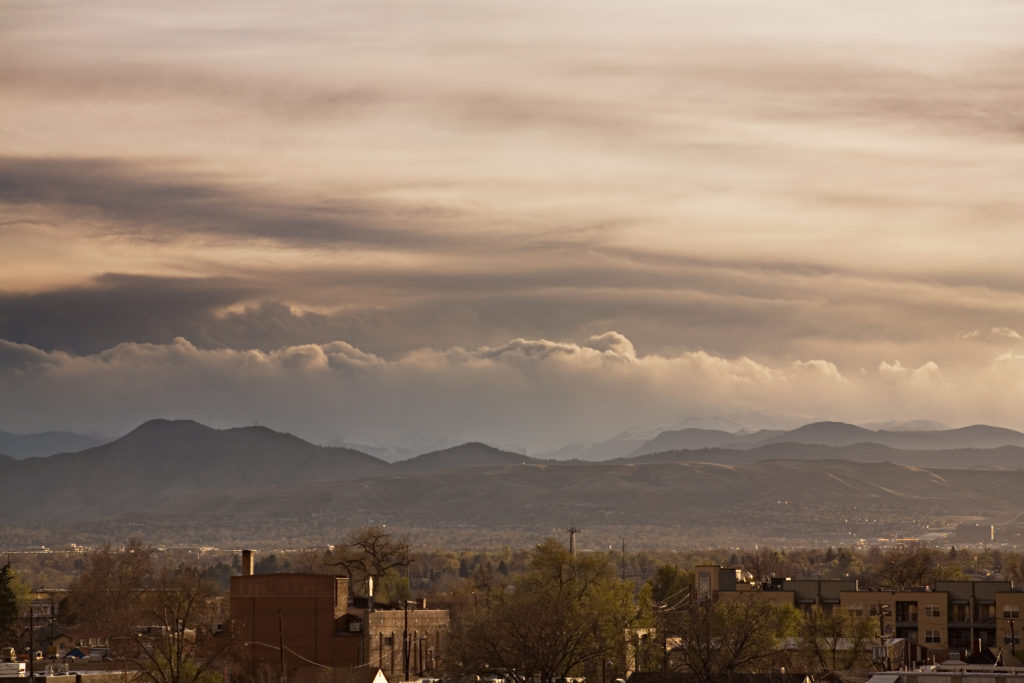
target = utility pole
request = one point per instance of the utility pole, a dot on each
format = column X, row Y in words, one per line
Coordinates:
column 32, row 643
column 572, row 540
column 280, row 642
column 405, row 641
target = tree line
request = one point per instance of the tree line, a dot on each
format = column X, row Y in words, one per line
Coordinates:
column 541, row 613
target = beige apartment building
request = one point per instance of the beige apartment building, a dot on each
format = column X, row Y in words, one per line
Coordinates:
column 949, row 620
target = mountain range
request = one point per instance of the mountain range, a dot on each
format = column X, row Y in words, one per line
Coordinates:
column 835, row 434
column 19, row 446
column 185, row 482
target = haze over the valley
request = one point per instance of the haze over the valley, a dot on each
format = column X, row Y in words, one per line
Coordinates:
column 529, row 224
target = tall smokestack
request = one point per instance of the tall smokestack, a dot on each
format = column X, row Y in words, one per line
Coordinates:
column 247, row 564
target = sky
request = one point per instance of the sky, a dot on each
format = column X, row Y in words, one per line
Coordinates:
column 526, row 223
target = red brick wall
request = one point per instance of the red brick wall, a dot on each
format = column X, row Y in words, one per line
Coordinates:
column 300, row 607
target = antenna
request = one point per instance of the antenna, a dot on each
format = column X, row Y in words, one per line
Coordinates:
column 573, row 530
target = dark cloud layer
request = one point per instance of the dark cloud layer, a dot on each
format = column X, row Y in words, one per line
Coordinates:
column 114, row 309
column 764, row 310
column 145, row 200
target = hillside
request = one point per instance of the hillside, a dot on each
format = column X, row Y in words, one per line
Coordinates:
column 837, row 434
column 1004, row 458
column 693, row 438
column 467, row 455
column 769, row 502
column 163, row 459
column 182, row 482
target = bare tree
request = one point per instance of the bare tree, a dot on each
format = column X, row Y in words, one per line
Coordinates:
column 835, row 639
column 904, row 567
column 762, row 563
column 105, row 593
column 371, row 551
column 176, row 644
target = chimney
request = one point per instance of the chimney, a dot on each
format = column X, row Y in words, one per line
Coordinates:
column 247, row 563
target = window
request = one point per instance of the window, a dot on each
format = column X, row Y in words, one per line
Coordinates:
column 932, row 611
column 932, row 636
column 855, row 610
column 703, row 586
column 906, row 610
column 1011, row 611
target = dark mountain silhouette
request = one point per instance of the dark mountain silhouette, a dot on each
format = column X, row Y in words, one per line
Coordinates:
column 20, row 446
column 826, row 434
column 202, row 485
column 837, row 434
column 693, row 438
column 473, row 454
column 165, row 458
column 975, row 436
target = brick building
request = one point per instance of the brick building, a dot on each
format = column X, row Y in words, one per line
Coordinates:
column 313, row 621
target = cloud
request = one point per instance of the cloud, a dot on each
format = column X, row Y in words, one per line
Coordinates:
column 769, row 310
column 1007, row 333
column 146, row 201
column 115, row 308
column 758, row 215
column 179, row 85
column 533, row 392
column 994, row 335
column 927, row 374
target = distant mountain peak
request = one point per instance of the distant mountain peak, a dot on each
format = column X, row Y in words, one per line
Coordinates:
column 162, row 423
column 471, row 454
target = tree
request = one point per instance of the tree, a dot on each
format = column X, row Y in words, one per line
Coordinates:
column 902, row 568
column 716, row 640
column 177, row 645
column 373, row 552
column 834, row 640
column 564, row 615
column 670, row 584
column 762, row 563
column 12, row 594
column 105, row 593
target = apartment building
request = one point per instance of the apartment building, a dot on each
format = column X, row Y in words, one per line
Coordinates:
column 949, row 620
